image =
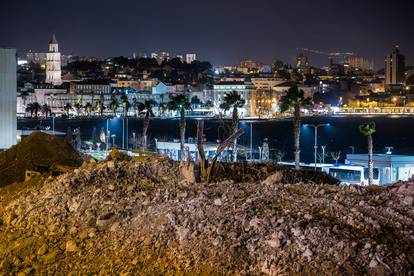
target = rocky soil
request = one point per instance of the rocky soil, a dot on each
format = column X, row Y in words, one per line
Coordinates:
column 150, row 217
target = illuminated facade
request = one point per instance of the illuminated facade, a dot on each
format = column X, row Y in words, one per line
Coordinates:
column 189, row 58
column 394, row 68
column 53, row 63
column 37, row 58
column 8, row 97
column 361, row 63
column 245, row 89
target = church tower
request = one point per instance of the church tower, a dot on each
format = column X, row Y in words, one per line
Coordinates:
column 53, row 66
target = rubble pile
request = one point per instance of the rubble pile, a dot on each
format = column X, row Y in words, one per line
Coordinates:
column 37, row 149
column 151, row 217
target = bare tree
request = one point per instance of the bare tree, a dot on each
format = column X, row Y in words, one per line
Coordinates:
column 336, row 155
column 320, row 156
column 207, row 167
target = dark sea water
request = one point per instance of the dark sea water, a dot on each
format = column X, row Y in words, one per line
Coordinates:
column 397, row 132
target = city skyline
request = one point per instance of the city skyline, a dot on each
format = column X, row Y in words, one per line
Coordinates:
column 222, row 33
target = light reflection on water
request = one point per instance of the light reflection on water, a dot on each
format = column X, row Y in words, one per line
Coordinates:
column 395, row 131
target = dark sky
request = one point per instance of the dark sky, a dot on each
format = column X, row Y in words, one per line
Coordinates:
column 222, row 31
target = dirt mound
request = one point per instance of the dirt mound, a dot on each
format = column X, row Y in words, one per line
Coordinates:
column 249, row 172
column 37, row 149
column 146, row 218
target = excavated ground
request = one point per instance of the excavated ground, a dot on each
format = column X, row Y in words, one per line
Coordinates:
column 150, row 217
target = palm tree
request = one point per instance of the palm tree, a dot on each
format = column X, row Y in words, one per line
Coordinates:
column 36, row 107
column 100, row 107
column 295, row 99
column 233, row 100
column 367, row 130
column 125, row 104
column 146, row 109
column 136, row 105
column 67, row 108
column 29, row 108
column 88, row 108
column 162, row 108
column 78, row 106
column 181, row 104
column 113, row 105
column 45, row 109
column 24, row 95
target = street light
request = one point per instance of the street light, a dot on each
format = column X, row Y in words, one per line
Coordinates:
column 316, row 136
column 53, row 123
column 123, row 130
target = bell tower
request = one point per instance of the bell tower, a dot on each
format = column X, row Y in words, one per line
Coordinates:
column 53, row 63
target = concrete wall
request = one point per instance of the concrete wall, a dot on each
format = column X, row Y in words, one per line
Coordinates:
column 8, row 97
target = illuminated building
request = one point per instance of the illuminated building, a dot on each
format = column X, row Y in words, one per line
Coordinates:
column 189, row 58
column 301, row 62
column 394, row 68
column 138, row 55
column 361, row 63
column 160, row 56
column 53, row 63
column 248, row 66
column 8, row 97
column 37, row 58
column 245, row 89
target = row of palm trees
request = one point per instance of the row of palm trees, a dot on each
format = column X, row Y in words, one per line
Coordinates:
column 35, row 108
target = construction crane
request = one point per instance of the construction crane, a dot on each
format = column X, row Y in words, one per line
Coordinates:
column 336, row 55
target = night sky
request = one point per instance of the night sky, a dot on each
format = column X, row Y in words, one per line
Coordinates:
column 221, row 31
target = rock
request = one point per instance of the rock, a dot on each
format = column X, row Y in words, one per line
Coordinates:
column 273, row 179
column 254, row 223
column 71, row 246
column 218, row 202
column 42, row 250
column 114, row 227
column 172, row 218
column 307, row 216
column 296, row 232
column 408, row 200
column 73, row 230
column 110, row 164
column 187, row 172
column 373, row 263
column 308, row 253
column 50, row 258
column 104, row 219
column 182, row 233
column 274, row 241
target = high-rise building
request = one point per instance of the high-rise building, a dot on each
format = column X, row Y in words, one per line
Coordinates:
column 53, row 63
column 361, row 63
column 394, row 67
column 8, row 97
column 189, row 58
column 301, row 62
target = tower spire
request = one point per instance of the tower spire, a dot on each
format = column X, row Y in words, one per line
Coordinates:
column 54, row 40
